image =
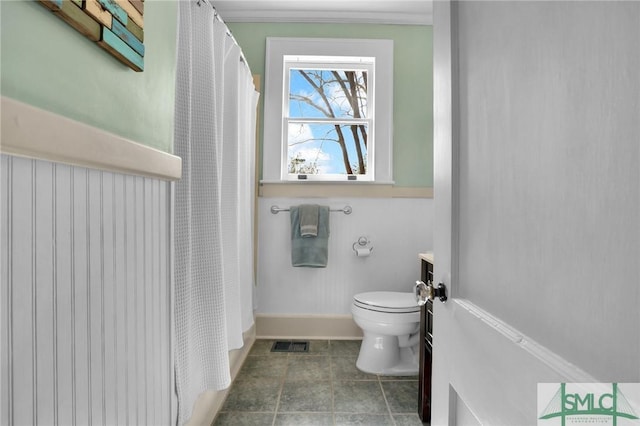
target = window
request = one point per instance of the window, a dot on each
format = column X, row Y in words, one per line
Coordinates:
column 327, row 117
column 328, row 110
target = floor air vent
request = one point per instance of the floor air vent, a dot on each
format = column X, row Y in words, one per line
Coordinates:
column 290, row 346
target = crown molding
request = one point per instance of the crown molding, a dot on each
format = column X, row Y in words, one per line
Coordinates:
column 412, row 12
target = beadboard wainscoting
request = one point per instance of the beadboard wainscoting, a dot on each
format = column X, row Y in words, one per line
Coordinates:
column 85, row 273
column 316, row 302
column 86, row 303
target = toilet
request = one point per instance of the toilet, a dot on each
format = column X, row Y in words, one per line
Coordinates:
column 390, row 323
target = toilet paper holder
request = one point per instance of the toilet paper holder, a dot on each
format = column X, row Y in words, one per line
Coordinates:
column 362, row 242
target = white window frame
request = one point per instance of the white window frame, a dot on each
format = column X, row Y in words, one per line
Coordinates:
column 329, row 63
column 275, row 149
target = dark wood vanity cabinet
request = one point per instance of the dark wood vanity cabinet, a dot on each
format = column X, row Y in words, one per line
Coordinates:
column 426, row 341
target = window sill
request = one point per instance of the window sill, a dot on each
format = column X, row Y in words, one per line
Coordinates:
column 341, row 189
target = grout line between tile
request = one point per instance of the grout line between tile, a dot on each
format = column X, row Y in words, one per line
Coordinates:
column 384, row 395
column 333, row 393
column 284, row 377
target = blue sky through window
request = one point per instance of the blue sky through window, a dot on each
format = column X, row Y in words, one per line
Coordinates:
column 321, row 133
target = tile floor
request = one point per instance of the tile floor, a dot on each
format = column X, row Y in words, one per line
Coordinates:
column 321, row 387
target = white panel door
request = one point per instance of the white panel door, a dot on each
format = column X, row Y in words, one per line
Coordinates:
column 476, row 363
column 534, row 150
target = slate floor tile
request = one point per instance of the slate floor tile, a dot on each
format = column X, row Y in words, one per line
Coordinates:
column 320, row 387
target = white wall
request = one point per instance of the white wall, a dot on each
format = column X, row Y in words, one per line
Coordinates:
column 549, row 181
column 398, row 228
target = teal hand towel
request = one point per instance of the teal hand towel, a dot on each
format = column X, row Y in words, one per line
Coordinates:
column 312, row 252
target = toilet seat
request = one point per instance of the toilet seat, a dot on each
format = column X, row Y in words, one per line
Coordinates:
column 387, row 301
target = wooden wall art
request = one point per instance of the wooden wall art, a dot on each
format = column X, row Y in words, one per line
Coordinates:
column 115, row 25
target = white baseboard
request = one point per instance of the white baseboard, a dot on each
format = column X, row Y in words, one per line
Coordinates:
column 270, row 326
column 209, row 403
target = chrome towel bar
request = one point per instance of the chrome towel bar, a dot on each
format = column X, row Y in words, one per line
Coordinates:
column 345, row 209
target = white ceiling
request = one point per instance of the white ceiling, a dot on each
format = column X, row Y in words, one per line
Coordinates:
column 414, row 12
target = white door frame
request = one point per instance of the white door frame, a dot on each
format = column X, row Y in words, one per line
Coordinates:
column 445, row 188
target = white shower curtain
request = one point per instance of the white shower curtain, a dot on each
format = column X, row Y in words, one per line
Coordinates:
column 214, row 135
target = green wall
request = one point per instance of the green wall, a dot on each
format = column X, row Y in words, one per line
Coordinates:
column 48, row 64
column 413, row 84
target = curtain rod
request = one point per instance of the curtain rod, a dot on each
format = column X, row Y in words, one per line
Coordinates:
column 217, row 16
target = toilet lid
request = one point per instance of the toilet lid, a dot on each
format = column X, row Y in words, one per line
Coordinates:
column 387, row 301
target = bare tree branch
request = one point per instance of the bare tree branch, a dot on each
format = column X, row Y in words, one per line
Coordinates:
column 353, row 85
column 307, row 100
